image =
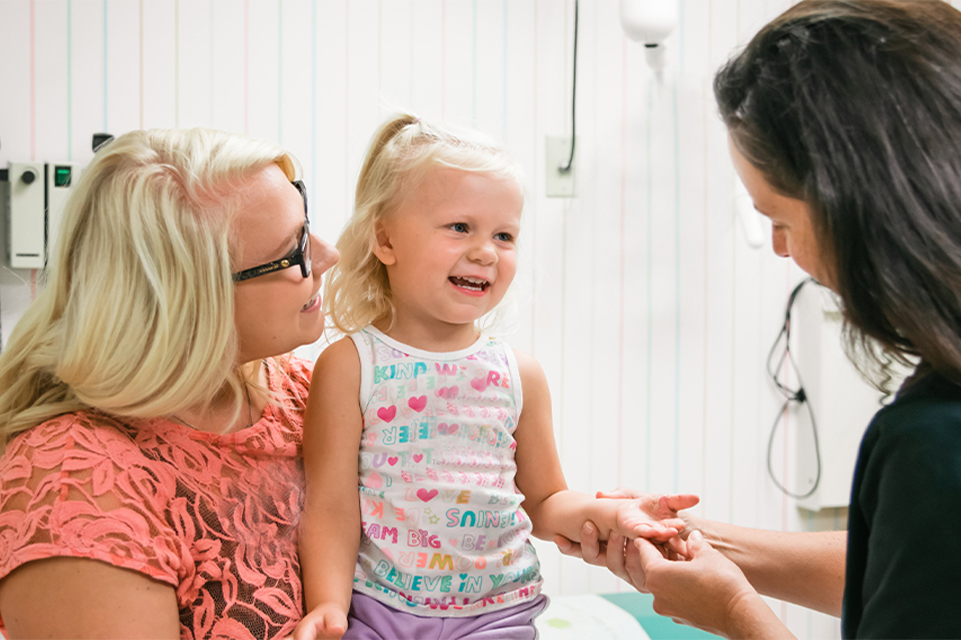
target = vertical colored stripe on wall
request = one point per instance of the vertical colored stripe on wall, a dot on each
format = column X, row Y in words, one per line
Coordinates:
column 706, row 207
column 533, row 207
column 176, row 63
column 677, row 257
column 652, row 87
column 33, row 81
column 105, row 38
column 443, row 59
column 474, row 75
column 313, row 93
column 246, row 66
column 504, row 81
column 140, row 54
column 623, row 268
column 280, row 72
column 69, row 80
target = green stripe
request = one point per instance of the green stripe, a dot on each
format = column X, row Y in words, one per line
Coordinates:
column 69, row 80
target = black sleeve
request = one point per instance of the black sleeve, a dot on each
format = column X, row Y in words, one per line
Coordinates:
column 910, row 498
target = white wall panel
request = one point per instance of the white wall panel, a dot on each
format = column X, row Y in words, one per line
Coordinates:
column 158, row 44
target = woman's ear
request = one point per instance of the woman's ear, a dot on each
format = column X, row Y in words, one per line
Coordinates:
column 382, row 246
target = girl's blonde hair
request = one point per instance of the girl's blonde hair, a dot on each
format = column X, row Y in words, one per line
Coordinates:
column 401, row 153
column 137, row 315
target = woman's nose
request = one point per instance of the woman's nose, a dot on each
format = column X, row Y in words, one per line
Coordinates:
column 779, row 242
column 323, row 255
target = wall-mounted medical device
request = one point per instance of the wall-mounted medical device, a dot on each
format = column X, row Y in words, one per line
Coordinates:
column 32, row 202
column 650, row 22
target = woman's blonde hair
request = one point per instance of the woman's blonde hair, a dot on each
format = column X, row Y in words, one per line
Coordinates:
column 401, row 153
column 137, row 315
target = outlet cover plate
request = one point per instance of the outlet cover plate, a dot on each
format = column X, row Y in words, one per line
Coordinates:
column 559, row 185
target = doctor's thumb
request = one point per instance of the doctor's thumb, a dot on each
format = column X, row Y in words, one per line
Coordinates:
column 697, row 545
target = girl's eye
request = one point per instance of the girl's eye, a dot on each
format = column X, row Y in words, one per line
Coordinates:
column 459, row 227
column 505, row 237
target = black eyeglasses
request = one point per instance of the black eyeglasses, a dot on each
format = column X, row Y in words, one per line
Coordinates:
column 300, row 255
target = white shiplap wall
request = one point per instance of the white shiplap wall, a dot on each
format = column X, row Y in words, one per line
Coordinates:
column 640, row 297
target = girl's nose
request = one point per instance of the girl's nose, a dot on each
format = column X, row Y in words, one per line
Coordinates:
column 483, row 252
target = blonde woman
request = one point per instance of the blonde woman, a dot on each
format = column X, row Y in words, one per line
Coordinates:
column 150, row 483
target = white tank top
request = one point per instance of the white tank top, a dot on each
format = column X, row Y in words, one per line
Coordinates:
column 443, row 530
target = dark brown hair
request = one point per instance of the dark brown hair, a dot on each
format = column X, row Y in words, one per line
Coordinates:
column 854, row 106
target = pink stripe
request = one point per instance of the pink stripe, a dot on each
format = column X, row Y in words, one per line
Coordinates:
column 33, row 81
column 443, row 58
column 141, row 64
column 623, row 266
column 534, row 207
column 246, row 66
column 787, row 416
column 704, row 437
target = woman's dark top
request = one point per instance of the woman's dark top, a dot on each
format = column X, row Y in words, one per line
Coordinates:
column 904, row 529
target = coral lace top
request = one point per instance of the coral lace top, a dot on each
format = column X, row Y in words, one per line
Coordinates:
column 214, row 516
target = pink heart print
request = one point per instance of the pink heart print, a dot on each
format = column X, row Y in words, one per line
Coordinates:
column 479, row 383
column 418, row 403
column 392, row 460
column 426, row 495
column 447, row 392
column 447, row 429
column 387, row 413
column 418, row 457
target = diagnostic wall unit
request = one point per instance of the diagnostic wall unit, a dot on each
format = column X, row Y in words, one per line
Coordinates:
column 32, row 207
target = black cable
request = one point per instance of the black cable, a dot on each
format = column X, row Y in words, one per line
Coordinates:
column 570, row 160
column 791, row 395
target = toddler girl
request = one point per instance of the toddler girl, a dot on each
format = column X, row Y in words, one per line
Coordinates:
column 429, row 528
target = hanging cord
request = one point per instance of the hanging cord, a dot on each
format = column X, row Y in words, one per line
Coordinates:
column 790, row 395
column 570, row 160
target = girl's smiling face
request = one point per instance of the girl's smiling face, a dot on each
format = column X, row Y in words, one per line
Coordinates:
column 792, row 226
column 450, row 253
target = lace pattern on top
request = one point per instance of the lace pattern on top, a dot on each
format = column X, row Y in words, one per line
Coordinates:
column 215, row 516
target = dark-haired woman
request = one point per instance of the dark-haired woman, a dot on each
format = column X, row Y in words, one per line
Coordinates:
column 844, row 120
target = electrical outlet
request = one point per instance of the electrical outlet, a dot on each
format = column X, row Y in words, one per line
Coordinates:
column 559, row 184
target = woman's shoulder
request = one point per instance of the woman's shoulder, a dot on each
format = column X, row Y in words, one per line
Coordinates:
column 919, row 433
column 58, row 437
column 929, row 404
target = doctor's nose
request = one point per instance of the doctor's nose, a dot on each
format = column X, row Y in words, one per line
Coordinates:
column 779, row 243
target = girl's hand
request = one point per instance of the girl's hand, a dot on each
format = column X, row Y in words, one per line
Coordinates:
column 659, row 507
column 652, row 516
column 326, row 622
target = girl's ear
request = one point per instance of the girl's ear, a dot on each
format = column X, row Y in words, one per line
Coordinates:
column 382, row 246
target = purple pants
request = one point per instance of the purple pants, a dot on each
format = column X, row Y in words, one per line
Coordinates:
column 371, row 620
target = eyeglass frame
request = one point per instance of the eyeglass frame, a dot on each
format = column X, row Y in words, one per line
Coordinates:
column 300, row 255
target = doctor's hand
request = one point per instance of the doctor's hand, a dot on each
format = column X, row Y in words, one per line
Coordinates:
column 703, row 590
